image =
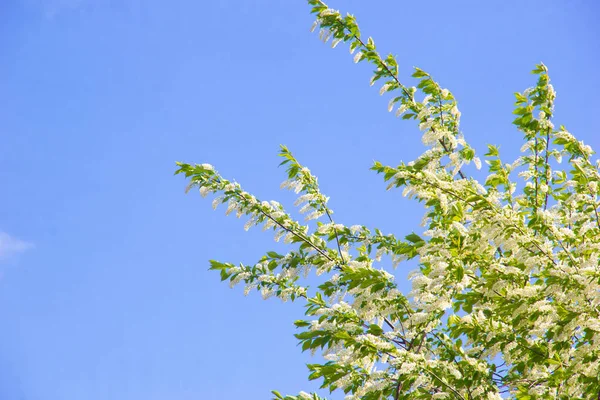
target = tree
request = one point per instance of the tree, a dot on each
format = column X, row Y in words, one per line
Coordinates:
column 506, row 299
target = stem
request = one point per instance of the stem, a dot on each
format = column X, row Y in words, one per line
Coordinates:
column 406, row 92
column 460, row 173
column 337, row 239
column 447, row 385
column 536, row 176
column 546, row 168
column 401, row 383
column 302, row 237
column 453, row 358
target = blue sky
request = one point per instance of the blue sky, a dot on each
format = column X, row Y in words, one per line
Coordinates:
column 104, row 288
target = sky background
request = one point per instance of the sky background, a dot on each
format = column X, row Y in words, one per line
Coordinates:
column 104, row 287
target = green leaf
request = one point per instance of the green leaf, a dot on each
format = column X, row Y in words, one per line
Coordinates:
column 215, row 265
column 520, row 98
column 301, row 323
column 459, row 273
column 492, row 151
column 375, row 330
column 419, row 73
column 414, row 238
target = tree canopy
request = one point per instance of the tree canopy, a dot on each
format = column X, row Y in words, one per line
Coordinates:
column 505, row 301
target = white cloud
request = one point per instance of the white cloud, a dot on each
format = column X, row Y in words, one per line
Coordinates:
column 11, row 246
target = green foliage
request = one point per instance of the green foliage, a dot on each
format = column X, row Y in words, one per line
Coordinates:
column 506, row 300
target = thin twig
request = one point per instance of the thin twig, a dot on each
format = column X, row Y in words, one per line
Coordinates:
column 406, row 92
column 304, row 239
column 337, row 239
column 547, row 168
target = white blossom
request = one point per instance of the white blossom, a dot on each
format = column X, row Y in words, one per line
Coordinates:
column 204, row 191
column 507, row 277
column 401, row 110
column 384, row 88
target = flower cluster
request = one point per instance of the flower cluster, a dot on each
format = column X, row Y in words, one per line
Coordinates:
column 506, row 299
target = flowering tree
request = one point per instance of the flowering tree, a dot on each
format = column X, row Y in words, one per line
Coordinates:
column 506, row 299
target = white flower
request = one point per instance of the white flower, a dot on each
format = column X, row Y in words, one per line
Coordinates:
column 526, row 146
column 207, row 167
column 355, row 228
column 443, row 201
column 379, row 253
column 304, row 396
column 249, row 224
column 384, row 88
column 288, row 238
column 303, row 198
column 322, row 33
column 305, row 208
column 558, row 157
column 423, row 113
column 425, row 125
column 230, row 207
column 204, row 191
column 326, row 35
column 328, row 12
column 430, row 137
column 454, row 111
column 358, row 56
column 247, row 289
column 401, row 110
column 460, row 227
column 266, row 293
column 407, row 367
column 279, row 234
column 391, row 105
column 312, row 215
column 324, row 228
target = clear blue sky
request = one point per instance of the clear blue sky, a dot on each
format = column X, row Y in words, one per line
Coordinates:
column 105, row 292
